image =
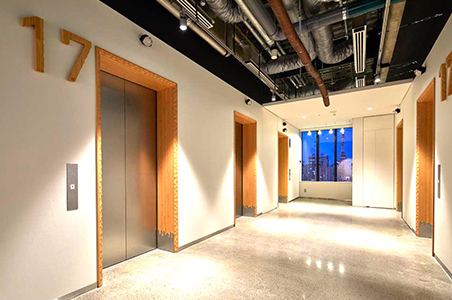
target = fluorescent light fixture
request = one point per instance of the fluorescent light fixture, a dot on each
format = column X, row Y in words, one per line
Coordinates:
column 369, row 108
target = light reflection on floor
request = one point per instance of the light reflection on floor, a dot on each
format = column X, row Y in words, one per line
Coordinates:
column 304, row 250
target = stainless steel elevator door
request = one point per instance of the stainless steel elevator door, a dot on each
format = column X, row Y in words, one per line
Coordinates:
column 141, row 169
column 129, row 169
column 113, row 170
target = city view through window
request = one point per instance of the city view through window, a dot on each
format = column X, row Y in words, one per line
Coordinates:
column 327, row 155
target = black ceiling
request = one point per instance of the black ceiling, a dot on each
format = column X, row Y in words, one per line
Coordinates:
column 153, row 17
column 421, row 24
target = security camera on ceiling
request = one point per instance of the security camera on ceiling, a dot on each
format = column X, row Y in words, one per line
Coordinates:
column 146, row 40
column 419, row 71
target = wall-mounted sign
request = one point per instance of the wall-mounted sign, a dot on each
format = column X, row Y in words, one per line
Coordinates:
column 66, row 37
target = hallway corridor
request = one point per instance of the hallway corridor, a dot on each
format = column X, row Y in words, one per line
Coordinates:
column 308, row 249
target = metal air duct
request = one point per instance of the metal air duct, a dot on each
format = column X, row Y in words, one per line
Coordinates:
column 292, row 36
column 327, row 52
column 198, row 30
column 227, row 11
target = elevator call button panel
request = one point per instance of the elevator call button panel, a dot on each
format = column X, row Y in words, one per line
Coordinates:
column 72, row 186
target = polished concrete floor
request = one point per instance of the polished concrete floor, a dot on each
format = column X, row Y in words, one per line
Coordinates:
column 308, row 249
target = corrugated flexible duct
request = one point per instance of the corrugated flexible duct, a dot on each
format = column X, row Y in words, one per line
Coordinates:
column 227, row 11
column 292, row 36
column 327, row 52
column 292, row 61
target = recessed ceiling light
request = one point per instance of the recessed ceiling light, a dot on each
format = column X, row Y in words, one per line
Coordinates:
column 303, row 117
column 369, row 108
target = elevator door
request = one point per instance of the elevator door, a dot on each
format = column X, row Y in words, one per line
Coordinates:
column 238, row 170
column 129, row 169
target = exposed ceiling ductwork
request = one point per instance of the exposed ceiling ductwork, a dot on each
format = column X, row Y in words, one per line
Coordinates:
column 248, row 30
column 287, row 27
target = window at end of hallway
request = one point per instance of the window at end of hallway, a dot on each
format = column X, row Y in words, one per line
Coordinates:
column 327, row 155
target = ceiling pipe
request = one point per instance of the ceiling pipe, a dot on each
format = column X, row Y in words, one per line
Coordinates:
column 335, row 15
column 229, row 12
column 383, row 35
column 193, row 26
column 257, row 36
column 327, row 51
column 256, row 23
column 287, row 27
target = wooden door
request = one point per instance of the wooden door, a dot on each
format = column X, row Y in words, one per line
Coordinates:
column 238, row 170
column 283, row 168
column 425, row 161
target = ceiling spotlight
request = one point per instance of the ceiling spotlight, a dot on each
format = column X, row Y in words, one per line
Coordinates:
column 369, row 108
column 284, row 130
column 202, row 3
column 284, row 124
column 274, row 54
column 342, row 130
column 273, row 96
column 377, row 78
column 309, row 133
column 331, row 131
column 146, row 40
column 320, row 132
column 248, row 102
column 397, row 110
column 303, row 117
column 419, row 71
column 183, row 21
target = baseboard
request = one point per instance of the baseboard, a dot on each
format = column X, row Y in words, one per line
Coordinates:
column 263, row 213
column 204, row 238
column 294, row 199
column 78, row 292
column 321, row 198
column 414, row 231
column 448, row 272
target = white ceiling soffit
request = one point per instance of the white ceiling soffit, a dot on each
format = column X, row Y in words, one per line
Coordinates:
column 345, row 106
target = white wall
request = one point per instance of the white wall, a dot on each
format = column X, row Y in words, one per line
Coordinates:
column 326, row 190
column 294, row 161
column 443, row 128
column 358, row 142
column 373, row 161
column 46, row 122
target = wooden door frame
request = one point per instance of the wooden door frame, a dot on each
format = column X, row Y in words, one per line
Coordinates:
column 399, row 166
column 286, row 138
column 167, row 148
column 249, row 144
column 426, row 96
